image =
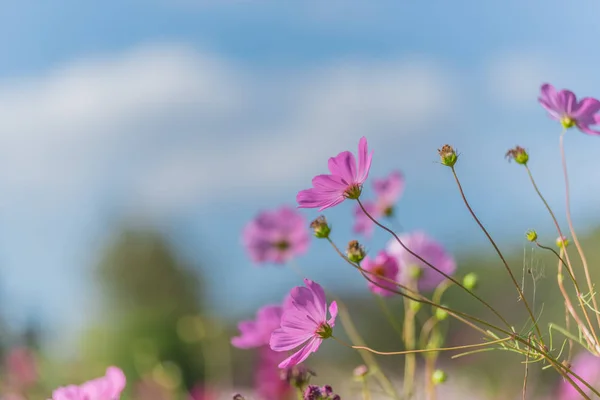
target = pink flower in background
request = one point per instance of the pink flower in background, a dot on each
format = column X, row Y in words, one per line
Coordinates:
column 108, row 387
column 587, row 367
column 201, row 392
column 21, row 367
column 276, row 236
column 412, row 268
column 257, row 333
column 383, row 266
column 388, row 191
column 344, row 182
column 268, row 381
column 304, row 323
column 362, row 223
column 148, row 389
column 564, row 107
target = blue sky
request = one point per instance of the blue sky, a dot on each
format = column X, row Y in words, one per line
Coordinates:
column 193, row 115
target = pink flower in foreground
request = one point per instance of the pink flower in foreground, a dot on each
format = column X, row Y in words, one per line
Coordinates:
column 258, row 333
column 268, row 381
column 304, row 324
column 411, row 268
column 276, row 236
column 564, row 107
column 344, row 182
column 388, row 191
column 108, row 387
column 587, row 367
column 383, row 266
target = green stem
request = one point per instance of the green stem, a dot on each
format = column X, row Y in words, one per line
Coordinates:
column 512, row 276
column 432, row 266
column 410, row 360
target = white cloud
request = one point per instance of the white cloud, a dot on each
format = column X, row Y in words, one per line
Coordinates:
column 170, row 126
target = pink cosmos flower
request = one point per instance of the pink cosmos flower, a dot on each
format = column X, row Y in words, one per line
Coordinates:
column 383, row 266
column 412, row 268
column 587, row 367
column 276, row 236
column 388, row 191
column 344, row 182
column 268, row 381
column 258, row 333
column 304, row 323
column 564, row 107
column 108, row 387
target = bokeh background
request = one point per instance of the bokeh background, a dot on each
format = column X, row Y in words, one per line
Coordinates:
column 138, row 138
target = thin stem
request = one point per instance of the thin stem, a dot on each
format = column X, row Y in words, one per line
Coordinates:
column 410, row 361
column 512, row 276
column 414, row 351
column 429, row 384
column 572, row 229
column 432, row 266
column 568, row 263
column 563, row 370
column 526, row 374
column 591, row 338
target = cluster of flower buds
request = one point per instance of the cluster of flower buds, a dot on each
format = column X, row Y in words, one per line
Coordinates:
column 314, row 392
column 297, row 376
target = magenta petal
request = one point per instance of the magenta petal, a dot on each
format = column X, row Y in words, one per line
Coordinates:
column 319, row 297
column 567, row 101
column 344, row 166
column 301, row 355
column 331, row 183
column 586, row 110
column 333, row 311
column 364, row 160
column 284, row 341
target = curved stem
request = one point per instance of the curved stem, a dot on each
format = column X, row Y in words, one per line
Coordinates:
column 591, row 338
column 566, row 253
column 414, row 351
column 512, row 276
column 432, row 266
column 572, row 229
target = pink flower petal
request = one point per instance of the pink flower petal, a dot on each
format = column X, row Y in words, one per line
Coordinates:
column 302, row 354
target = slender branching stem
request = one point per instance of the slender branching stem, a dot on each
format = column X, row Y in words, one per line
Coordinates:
column 567, row 264
column 414, row 351
column 445, row 275
column 510, row 273
column 590, row 338
column 572, row 229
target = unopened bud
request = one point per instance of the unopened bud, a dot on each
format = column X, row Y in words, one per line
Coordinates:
column 531, row 235
column 439, row 377
column 470, row 281
column 441, row 314
column 360, row 372
column 320, row 227
column 562, row 242
column 518, row 154
column 238, row 397
column 355, row 251
column 448, row 156
column 415, row 306
column 297, row 376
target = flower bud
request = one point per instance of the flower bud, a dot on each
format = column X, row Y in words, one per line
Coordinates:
column 441, row 314
column 238, row 397
column 531, row 235
column 415, row 306
column 562, row 242
column 360, row 372
column 439, row 377
column 518, row 154
column 355, row 251
column 470, row 281
column 448, row 156
column 320, row 227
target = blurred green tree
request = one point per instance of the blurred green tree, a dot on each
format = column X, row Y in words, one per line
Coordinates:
column 147, row 292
